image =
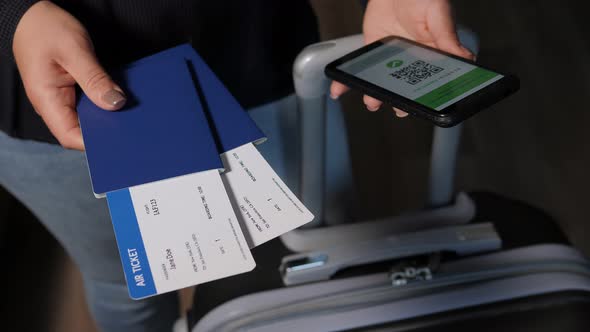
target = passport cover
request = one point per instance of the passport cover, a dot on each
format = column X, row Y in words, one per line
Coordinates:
column 161, row 133
column 232, row 125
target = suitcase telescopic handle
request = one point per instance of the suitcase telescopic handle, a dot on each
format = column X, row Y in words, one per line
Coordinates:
column 311, row 86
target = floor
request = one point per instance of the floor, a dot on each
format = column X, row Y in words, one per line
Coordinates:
column 532, row 146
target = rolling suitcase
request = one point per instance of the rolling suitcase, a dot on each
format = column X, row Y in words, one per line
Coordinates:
column 537, row 282
column 467, row 262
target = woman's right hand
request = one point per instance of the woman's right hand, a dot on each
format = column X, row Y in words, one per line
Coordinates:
column 53, row 52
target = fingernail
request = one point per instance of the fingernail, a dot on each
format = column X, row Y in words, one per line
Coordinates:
column 114, row 98
column 372, row 109
column 333, row 96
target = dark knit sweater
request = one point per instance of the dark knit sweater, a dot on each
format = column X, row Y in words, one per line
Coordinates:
column 250, row 44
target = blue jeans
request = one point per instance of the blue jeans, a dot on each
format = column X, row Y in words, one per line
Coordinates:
column 53, row 183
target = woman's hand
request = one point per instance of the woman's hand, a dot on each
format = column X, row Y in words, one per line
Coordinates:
column 53, row 52
column 428, row 22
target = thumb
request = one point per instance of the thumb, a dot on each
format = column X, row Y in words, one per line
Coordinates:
column 442, row 27
column 94, row 81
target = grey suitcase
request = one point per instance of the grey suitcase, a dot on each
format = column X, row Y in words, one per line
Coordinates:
column 467, row 262
column 537, row 282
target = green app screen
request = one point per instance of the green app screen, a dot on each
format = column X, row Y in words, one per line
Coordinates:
column 419, row 74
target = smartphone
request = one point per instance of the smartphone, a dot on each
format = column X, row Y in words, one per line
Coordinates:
column 440, row 87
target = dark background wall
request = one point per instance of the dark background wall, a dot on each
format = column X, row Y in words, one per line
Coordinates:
column 534, row 146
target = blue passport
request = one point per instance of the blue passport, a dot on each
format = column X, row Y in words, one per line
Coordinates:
column 161, row 133
column 232, row 126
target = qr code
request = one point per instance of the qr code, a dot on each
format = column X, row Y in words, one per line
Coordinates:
column 416, row 72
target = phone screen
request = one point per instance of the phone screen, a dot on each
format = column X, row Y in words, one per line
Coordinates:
column 420, row 74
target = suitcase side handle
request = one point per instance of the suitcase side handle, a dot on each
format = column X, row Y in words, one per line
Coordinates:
column 322, row 265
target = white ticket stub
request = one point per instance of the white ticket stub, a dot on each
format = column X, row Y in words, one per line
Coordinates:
column 265, row 206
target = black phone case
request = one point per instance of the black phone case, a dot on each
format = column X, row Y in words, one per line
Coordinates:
column 452, row 115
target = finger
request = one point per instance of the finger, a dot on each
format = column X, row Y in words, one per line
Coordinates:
column 399, row 113
column 337, row 89
column 442, row 27
column 94, row 81
column 62, row 121
column 371, row 103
